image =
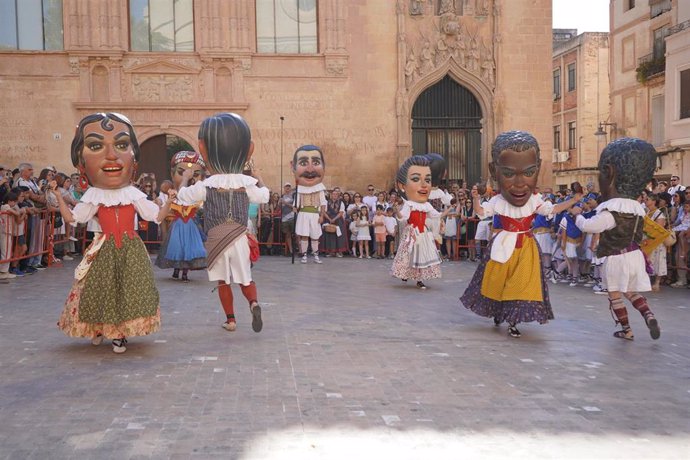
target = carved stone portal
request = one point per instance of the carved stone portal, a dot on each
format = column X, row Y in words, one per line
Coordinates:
column 450, row 39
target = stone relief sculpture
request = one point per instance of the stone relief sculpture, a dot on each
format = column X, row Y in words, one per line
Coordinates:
column 416, row 7
column 411, row 67
column 446, row 7
column 454, row 38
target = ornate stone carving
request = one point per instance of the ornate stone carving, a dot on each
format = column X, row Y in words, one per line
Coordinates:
column 483, row 7
column 446, row 7
column 416, row 7
column 74, row 65
column 336, row 67
column 162, row 88
column 454, row 40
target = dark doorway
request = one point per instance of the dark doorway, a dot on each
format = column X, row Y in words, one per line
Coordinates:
column 446, row 119
column 156, row 153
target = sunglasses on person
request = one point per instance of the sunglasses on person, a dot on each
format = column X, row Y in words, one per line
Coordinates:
column 371, row 189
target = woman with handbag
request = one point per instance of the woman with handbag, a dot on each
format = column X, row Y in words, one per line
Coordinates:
column 334, row 240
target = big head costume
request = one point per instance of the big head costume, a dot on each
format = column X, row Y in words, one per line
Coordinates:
column 226, row 145
column 417, row 257
column 309, row 168
column 183, row 242
column 113, row 295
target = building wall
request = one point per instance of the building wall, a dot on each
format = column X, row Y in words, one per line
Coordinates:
column 587, row 105
column 677, row 131
column 353, row 98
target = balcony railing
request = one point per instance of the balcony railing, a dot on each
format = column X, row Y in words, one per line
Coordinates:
column 658, row 7
column 679, row 27
column 649, row 66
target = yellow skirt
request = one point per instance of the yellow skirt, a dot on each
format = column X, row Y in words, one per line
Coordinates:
column 517, row 279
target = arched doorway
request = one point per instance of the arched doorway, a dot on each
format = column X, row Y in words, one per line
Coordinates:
column 446, row 119
column 156, row 153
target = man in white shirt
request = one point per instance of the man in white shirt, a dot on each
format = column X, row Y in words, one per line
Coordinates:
column 675, row 186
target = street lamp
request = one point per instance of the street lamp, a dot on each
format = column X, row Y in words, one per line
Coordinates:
column 600, row 130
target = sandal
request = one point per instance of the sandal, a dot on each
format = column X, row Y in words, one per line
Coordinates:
column 626, row 334
column 653, row 326
column 513, row 332
column 257, row 322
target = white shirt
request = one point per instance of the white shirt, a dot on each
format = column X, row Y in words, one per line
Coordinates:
column 604, row 220
column 197, row 192
column 504, row 242
column 95, row 197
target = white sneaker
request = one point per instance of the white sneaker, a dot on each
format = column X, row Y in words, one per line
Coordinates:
column 71, row 238
column 96, row 341
column 67, row 257
column 119, row 345
column 317, row 260
column 304, row 259
column 7, row 276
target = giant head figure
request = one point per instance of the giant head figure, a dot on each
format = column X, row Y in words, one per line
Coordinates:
column 105, row 150
column 308, row 165
column 225, row 142
column 413, row 180
column 183, row 161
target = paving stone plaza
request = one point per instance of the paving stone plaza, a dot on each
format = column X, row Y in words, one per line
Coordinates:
column 351, row 364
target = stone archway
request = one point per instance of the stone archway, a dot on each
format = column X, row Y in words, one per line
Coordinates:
column 156, row 152
column 447, row 119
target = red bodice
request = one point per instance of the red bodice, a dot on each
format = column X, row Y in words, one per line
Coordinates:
column 417, row 219
column 117, row 221
column 523, row 225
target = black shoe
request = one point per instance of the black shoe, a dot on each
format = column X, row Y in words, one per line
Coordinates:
column 257, row 322
column 184, row 278
column 497, row 322
column 513, row 332
column 176, row 273
column 421, row 285
column 653, row 326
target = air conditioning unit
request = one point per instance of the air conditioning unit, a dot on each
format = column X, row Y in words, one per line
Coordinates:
column 554, row 158
column 563, row 157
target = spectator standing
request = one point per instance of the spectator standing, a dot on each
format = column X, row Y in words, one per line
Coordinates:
column 676, row 186
column 287, row 217
column 334, row 236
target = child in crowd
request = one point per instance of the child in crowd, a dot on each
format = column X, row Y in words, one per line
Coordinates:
column 509, row 285
column 626, row 165
column 363, row 236
column 391, row 230
column 12, row 216
column 355, row 215
column 450, row 229
column 380, row 232
column 544, row 235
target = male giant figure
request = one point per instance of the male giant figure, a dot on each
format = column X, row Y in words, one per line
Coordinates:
column 309, row 167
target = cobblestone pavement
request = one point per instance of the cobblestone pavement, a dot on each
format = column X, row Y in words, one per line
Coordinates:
column 351, row 364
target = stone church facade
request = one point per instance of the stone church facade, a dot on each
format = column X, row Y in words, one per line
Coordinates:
column 384, row 79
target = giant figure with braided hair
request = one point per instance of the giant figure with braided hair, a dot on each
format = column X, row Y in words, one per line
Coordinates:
column 625, row 167
column 113, row 295
column 509, row 284
column 226, row 144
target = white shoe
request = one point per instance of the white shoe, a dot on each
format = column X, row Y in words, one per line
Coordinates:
column 67, row 257
column 317, row 260
column 7, row 276
column 304, row 259
column 119, row 345
column 96, row 341
column 71, row 238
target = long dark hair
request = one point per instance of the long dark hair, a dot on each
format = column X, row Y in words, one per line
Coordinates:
column 106, row 123
column 227, row 138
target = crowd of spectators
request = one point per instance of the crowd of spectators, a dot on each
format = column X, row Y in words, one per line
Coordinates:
column 355, row 224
